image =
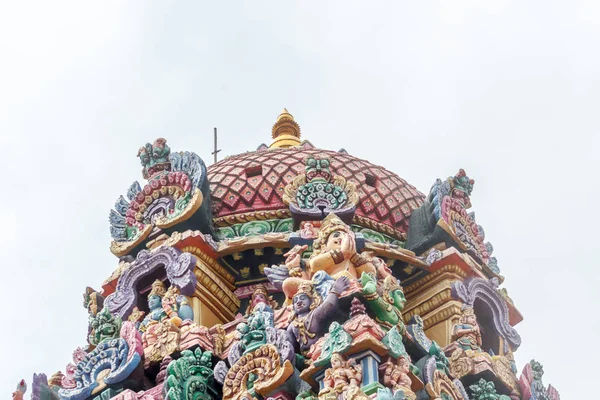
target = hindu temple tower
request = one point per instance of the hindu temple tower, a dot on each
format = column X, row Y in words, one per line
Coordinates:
column 293, row 272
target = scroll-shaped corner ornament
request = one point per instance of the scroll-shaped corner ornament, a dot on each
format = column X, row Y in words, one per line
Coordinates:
column 111, row 362
column 177, row 186
column 448, row 201
column 179, row 267
column 264, row 362
column 487, row 291
column 439, row 385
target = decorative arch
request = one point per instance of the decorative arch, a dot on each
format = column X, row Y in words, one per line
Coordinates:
column 179, row 267
column 487, row 292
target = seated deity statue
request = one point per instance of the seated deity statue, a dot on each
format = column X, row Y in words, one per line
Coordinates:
column 165, row 304
column 466, row 334
column 311, row 314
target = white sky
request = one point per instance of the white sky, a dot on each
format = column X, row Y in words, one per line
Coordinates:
column 508, row 90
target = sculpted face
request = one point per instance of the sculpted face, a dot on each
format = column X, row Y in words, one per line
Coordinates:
column 404, row 365
column 302, row 303
column 317, row 169
column 334, row 241
column 399, row 298
column 336, row 362
column 471, row 320
column 154, row 302
column 259, row 298
column 205, row 359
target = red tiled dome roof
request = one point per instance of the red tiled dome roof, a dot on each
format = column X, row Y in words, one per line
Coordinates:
column 255, row 181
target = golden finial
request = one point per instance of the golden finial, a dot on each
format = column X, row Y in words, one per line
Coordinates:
column 286, row 131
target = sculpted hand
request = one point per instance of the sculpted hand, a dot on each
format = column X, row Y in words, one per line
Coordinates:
column 368, row 283
column 294, row 255
column 348, row 246
column 340, row 285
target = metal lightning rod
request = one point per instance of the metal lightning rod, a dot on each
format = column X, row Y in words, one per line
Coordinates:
column 214, row 153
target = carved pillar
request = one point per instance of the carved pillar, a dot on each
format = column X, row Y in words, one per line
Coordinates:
column 369, row 361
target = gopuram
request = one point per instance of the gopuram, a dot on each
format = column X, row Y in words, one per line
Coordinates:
column 292, row 272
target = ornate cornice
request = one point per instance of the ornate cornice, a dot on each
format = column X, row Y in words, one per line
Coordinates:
column 428, row 306
column 453, row 269
column 219, row 301
column 394, row 253
column 213, row 264
column 378, row 226
column 228, row 220
column 212, row 284
column 235, row 245
column 441, row 315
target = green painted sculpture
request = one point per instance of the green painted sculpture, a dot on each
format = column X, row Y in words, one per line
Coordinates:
column 105, row 326
column 441, row 361
column 387, row 303
column 393, row 341
column 191, row 377
column 388, row 394
column 484, row 390
column 337, row 341
column 318, row 185
column 254, row 332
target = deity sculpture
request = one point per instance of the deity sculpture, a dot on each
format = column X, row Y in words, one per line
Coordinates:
column 396, row 376
column 466, row 334
column 334, row 251
column 254, row 332
column 343, row 378
column 191, row 376
column 93, row 302
column 484, row 390
column 311, row 313
column 218, row 337
column 165, row 304
column 386, row 300
column 260, row 295
column 308, row 231
column 334, row 255
column 337, row 340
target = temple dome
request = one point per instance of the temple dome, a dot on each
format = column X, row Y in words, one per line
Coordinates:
column 251, row 186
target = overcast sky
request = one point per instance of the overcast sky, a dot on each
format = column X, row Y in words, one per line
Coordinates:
column 507, row 90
